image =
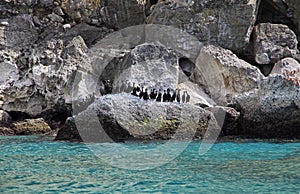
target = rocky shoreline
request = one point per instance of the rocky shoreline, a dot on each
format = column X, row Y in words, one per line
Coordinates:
column 239, row 59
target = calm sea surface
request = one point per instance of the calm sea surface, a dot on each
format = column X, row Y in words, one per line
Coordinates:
column 38, row 165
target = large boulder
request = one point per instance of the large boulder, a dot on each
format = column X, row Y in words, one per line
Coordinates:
column 124, row 58
column 223, row 74
column 284, row 12
column 122, row 117
column 226, row 23
column 273, row 42
column 149, row 65
column 272, row 111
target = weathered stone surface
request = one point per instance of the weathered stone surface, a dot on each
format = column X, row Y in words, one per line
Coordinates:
column 8, row 74
column 284, row 12
column 288, row 67
column 19, row 32
column 272, row 111
column 31, row 127
column 47, row 85
column 149, row 65
column 152, row 65
column 123, row 117
column 227, row 23
column 118, row 14
column 273, row 42
column 227, row 118
column 6, row 131
column 224, row 75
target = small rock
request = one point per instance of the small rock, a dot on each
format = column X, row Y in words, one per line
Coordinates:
column 31, row 127
column 55, row 18
column 58, row 11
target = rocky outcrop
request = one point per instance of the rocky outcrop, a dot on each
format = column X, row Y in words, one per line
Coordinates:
column 273, row 42
column 31, row 127
column 224, row 75
column 5, row 118
column 26, row 127
column 210, row 21
column 117, row 14
column 122, row 116
column 46, row 85
column 272, row 111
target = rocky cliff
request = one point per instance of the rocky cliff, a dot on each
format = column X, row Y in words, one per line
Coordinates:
column 55, row 54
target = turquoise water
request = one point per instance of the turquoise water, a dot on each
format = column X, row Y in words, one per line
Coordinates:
column 39, row 165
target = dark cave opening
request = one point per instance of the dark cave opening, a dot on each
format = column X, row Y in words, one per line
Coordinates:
column 187, row 66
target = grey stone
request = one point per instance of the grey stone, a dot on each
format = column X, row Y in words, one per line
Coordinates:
column 20, row 32
column 273, row 42
column 55, row 18
column 227, row 118
column 272, row 111
column 224, row 75
column 8, row 74
column 123, row 117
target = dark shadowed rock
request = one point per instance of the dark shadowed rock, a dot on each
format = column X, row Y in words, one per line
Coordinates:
column 5, row 119
column 227, row 118
column 122, row 116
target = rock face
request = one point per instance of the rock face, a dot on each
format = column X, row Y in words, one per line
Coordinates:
column 118, row 14
column 46, row 85
column 18, row 32
column 226, row 23
column 149, row 65
column 123, row 116
column 272, row 111
column 273, row 42
column 224, row 75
